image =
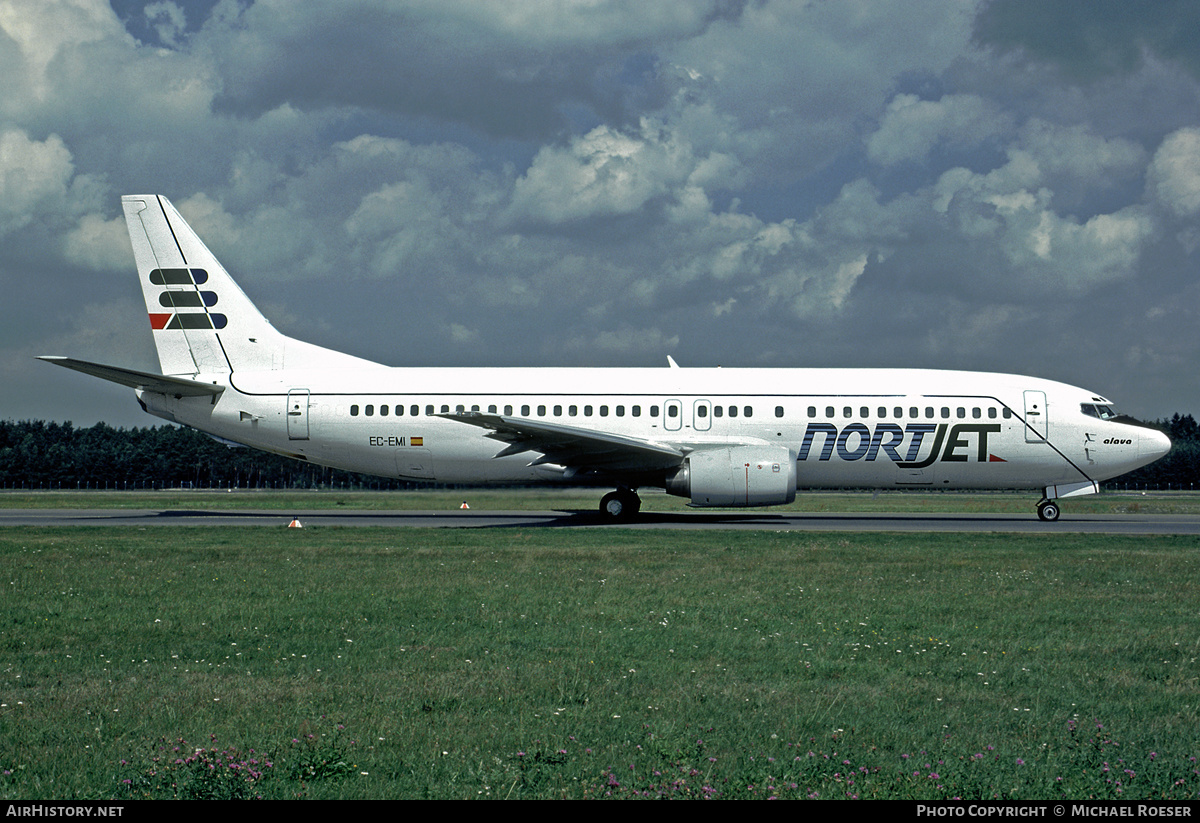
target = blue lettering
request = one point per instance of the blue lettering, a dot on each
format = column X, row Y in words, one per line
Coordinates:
column 864, row 441
column 889, row 448
column 919, row 430
column 858, row 442
column 830, row 432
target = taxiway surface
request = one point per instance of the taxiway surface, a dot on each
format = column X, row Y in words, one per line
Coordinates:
column 848, row 522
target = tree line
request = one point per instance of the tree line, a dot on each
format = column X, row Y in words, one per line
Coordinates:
column 1179, row 468
column 42, row 455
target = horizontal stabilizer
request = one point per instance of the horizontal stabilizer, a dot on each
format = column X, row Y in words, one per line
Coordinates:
column 157, row 383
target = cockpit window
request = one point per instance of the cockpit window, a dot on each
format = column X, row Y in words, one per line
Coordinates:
column 1097, row 410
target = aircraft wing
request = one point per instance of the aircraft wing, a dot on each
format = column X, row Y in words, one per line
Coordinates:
column 157, row 383
column 571, row 446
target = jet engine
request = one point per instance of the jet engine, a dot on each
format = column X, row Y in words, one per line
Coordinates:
column 736, row 476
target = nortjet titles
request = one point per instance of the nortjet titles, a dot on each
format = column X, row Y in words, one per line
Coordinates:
column 951, row 443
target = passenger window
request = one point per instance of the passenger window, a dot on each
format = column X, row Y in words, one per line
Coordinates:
column 620, row 411
column 429, row 409
column 369, row 410
column 445, row 409
column 945, row 412
column 541, row 411
column 718, row 411
column 899, row 412
column 961, row 412
column 812, row 411
column 701, row 411
column 492, row 409
column 733, row 411
column 747, row 411
column 779, row 411
column 912, row 412
column 354, row 410
column 829, row 411
column 992, row 413
column 524, row 411
column 636, row 411
column 847, row 411
column 587, row 411
column 460, row 408
column 383, row 411
column 507, row 410
column 604, row 411
column 929, row 412
column 672, row 411
column 654, row 411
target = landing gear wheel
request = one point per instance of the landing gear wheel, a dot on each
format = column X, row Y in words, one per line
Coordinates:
column 623, row 504
column 1048, row 511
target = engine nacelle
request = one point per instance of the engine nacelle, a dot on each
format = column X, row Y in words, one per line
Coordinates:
column 736, row 476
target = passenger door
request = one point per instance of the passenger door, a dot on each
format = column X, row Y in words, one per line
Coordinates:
column 1036, row 422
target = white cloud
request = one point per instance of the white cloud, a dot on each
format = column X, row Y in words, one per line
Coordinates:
column 601, row 174
column 1074, row 155
column 42, row 30
column 169, row 21
column 769, row 166
column 99, row 244
column 1174, row 173
column 911, row 127
column 791, row 84
column 34, row 178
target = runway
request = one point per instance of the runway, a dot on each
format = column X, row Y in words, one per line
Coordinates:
column 1128, row 524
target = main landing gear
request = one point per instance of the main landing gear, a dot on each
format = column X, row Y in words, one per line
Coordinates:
column 623, row 504
column 1048, row 510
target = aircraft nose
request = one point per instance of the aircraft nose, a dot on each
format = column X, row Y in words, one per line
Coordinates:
column 1154, row 444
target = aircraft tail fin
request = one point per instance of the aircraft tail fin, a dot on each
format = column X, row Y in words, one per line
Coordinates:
column 203, row 322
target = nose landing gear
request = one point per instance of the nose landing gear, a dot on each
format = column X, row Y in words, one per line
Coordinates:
column 1048, row 511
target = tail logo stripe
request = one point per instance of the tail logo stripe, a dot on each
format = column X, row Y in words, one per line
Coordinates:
column 187, row 299
column 178, row 277
column 191, row 321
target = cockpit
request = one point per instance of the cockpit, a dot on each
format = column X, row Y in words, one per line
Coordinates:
column 1105, row 411
column 1099, row 410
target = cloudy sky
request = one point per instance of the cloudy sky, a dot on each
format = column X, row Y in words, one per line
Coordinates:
column 1010, row 185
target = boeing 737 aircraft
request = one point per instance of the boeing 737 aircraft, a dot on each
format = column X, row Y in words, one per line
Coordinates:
column 720, row 437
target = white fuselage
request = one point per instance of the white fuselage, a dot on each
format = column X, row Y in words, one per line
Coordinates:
column 873, row 428
column 720, row 437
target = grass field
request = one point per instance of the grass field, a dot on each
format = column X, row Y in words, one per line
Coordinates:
column 405, row 663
